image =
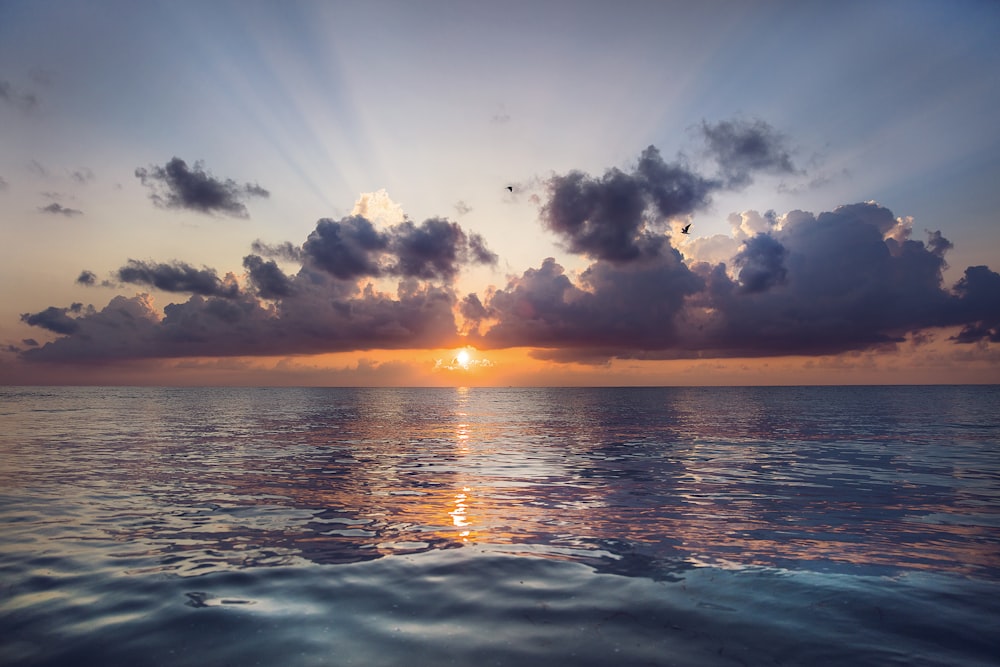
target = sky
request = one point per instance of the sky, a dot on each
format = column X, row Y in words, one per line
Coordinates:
column 519, row 193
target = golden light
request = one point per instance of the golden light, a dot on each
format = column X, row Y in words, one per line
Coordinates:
column 463, row 359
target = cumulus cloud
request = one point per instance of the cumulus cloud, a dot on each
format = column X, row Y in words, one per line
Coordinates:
column 611, row 217
column 353, row 247
column 761, row 262
column 57, row 320
column 621, row 216
column 268, row 279
column 86, row 278
column 330, row 304
column 56, row 208
column 177, row 186
column 802, row 284
column 178, row 277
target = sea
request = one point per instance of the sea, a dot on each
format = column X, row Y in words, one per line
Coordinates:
column 492, row 526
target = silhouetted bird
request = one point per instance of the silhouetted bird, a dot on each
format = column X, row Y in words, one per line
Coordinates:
column 510, row 188
column 685, row 228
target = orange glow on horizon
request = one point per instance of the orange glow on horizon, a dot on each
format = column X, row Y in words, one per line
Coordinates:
column 937, row 362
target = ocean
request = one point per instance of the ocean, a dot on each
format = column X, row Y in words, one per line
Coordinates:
column 605, row 526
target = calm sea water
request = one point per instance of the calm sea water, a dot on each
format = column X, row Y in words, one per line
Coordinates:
column 764, row 526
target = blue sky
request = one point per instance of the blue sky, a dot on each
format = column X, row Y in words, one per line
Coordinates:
column 443, row 106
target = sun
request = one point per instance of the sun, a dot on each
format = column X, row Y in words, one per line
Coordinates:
column 463, row 359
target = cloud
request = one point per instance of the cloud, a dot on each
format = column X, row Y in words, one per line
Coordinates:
column 761, row 261
column 804, row 285
column 329, row 305
column 742, row 147
column 285, row 251
column 435, row 249
column 177, row 186
column 353, row 247
column 348, row 249
column 19, row 99
column 178, row 277
column 612, row 305
column 621, row 215
column 850, row 279
column 312, row 320
column 56, row 208
column 269, row 280
column 55, row 319
column 610, row 218
column 3, row 184
column 82, row 176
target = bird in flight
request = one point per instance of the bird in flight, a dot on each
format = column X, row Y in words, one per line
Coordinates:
column 685, row 228
column 510, row 188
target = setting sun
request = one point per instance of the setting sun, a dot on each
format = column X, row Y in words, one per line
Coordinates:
column 463, row 359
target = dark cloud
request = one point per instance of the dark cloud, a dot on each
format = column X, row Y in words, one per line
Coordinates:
column 761, row 261
column 812, row 285
column 55, row 319
column 979, row 305
column 327, row 306
column 480, row 253
column 19, row 99
column 617, row 217
column 743, row 147
column 472, row 309
column 86, row 278
column 435, row 249
column 353, row 248
column 285, row 251
column 56, row 208
column 614, row 305
column 348, row 249
column 177, row 277
column 269, row 280
column 175, row 185
column 310, row 320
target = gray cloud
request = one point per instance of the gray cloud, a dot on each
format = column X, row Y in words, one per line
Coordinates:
column 87, row 278
column 285, row 251
column 743, row 147
column 435, row 249
column 817, row 285
column 82, row 175
column 348, row 249
column 761, row 261
column 55, row 319
column 353, row 248
column 609, row 218
column 177, row 277
column 56, row 208
column 620, row 216
column 177, row 186
column 265, row 275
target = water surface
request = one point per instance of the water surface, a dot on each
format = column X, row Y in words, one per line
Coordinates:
column 500, row 526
